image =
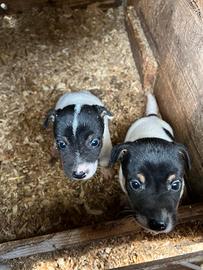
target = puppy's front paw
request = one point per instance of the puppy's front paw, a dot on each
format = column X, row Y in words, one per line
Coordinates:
column 104, row 162
column 107, row 173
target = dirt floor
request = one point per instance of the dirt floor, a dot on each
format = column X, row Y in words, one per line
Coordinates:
column 44, row 54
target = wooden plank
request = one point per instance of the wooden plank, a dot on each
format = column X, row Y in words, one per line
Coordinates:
column 143, row 55
column 81, row 236
column 16, row 6
column 175, row 32
column 70, row 238
column 183, row 262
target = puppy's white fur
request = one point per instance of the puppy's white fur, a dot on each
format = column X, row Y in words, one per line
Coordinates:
column 142, row 221
column 122, row 180
column 151, row 107
column 75, row 119
column 86, row 98
column 89, row 168
column 147, row 127
column 79, row 98
column 150, row 126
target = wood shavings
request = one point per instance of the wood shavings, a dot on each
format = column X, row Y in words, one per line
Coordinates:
column 46, row 53
column 90, row 211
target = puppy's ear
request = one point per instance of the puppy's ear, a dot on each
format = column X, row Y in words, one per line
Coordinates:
column 51, row 116
column 184, row 155
column 118, row 152
column 103, row 111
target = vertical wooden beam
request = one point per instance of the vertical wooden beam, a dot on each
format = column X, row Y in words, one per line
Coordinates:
column 175, row 32
column 143, row 55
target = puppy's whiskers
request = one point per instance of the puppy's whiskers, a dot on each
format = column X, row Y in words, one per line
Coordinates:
column 126, row 213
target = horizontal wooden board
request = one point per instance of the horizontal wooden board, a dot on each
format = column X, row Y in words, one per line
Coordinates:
column 183, row 262
column 81, row 236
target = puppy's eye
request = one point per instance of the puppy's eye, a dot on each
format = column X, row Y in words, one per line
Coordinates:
column 176, row 185
column 61, row 145
column 135, row 184
column 94, row 142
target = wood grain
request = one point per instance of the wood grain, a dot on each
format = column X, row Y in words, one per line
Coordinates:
column 175, row 33
column 16, row 6
column 183, row 262
column 143, row 55
column 85, row 235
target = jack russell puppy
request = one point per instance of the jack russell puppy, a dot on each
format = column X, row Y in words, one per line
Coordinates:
column 152, row 170
column 80, row 124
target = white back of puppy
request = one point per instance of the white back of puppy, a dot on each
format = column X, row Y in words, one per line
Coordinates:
column 150, row 126
column 79, row 98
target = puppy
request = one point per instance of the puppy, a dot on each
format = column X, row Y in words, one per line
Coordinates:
column 80, row 124
column 152, row 170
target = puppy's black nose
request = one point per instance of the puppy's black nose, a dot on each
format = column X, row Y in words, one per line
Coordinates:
column 79, row 175
column 157, row 225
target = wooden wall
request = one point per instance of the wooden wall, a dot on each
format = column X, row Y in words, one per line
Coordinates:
column 15, row 6
column 175, row 33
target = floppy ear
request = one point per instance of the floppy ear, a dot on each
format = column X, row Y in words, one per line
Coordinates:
column 118, row 152
column 103, row 111
column 51, row 116
column 184, row 155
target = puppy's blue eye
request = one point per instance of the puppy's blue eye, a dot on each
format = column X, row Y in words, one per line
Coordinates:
column 94, row 142
column 176, row 185
column 135, row 184
column 61, row 145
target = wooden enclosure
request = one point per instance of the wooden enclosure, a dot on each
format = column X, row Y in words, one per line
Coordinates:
column 174, row 30
column 166, row 39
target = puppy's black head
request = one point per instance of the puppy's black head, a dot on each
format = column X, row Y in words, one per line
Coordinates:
column 78, row 132
column 151, row 174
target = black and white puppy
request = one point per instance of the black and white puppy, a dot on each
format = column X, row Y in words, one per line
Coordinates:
column 152, row 170
column 81, row 132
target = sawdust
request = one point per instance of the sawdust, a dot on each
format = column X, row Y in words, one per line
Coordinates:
column 44, row 53
column 117, row 252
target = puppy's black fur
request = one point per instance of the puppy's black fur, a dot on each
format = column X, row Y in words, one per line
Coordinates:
column 90, row 126
column 156, row 159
